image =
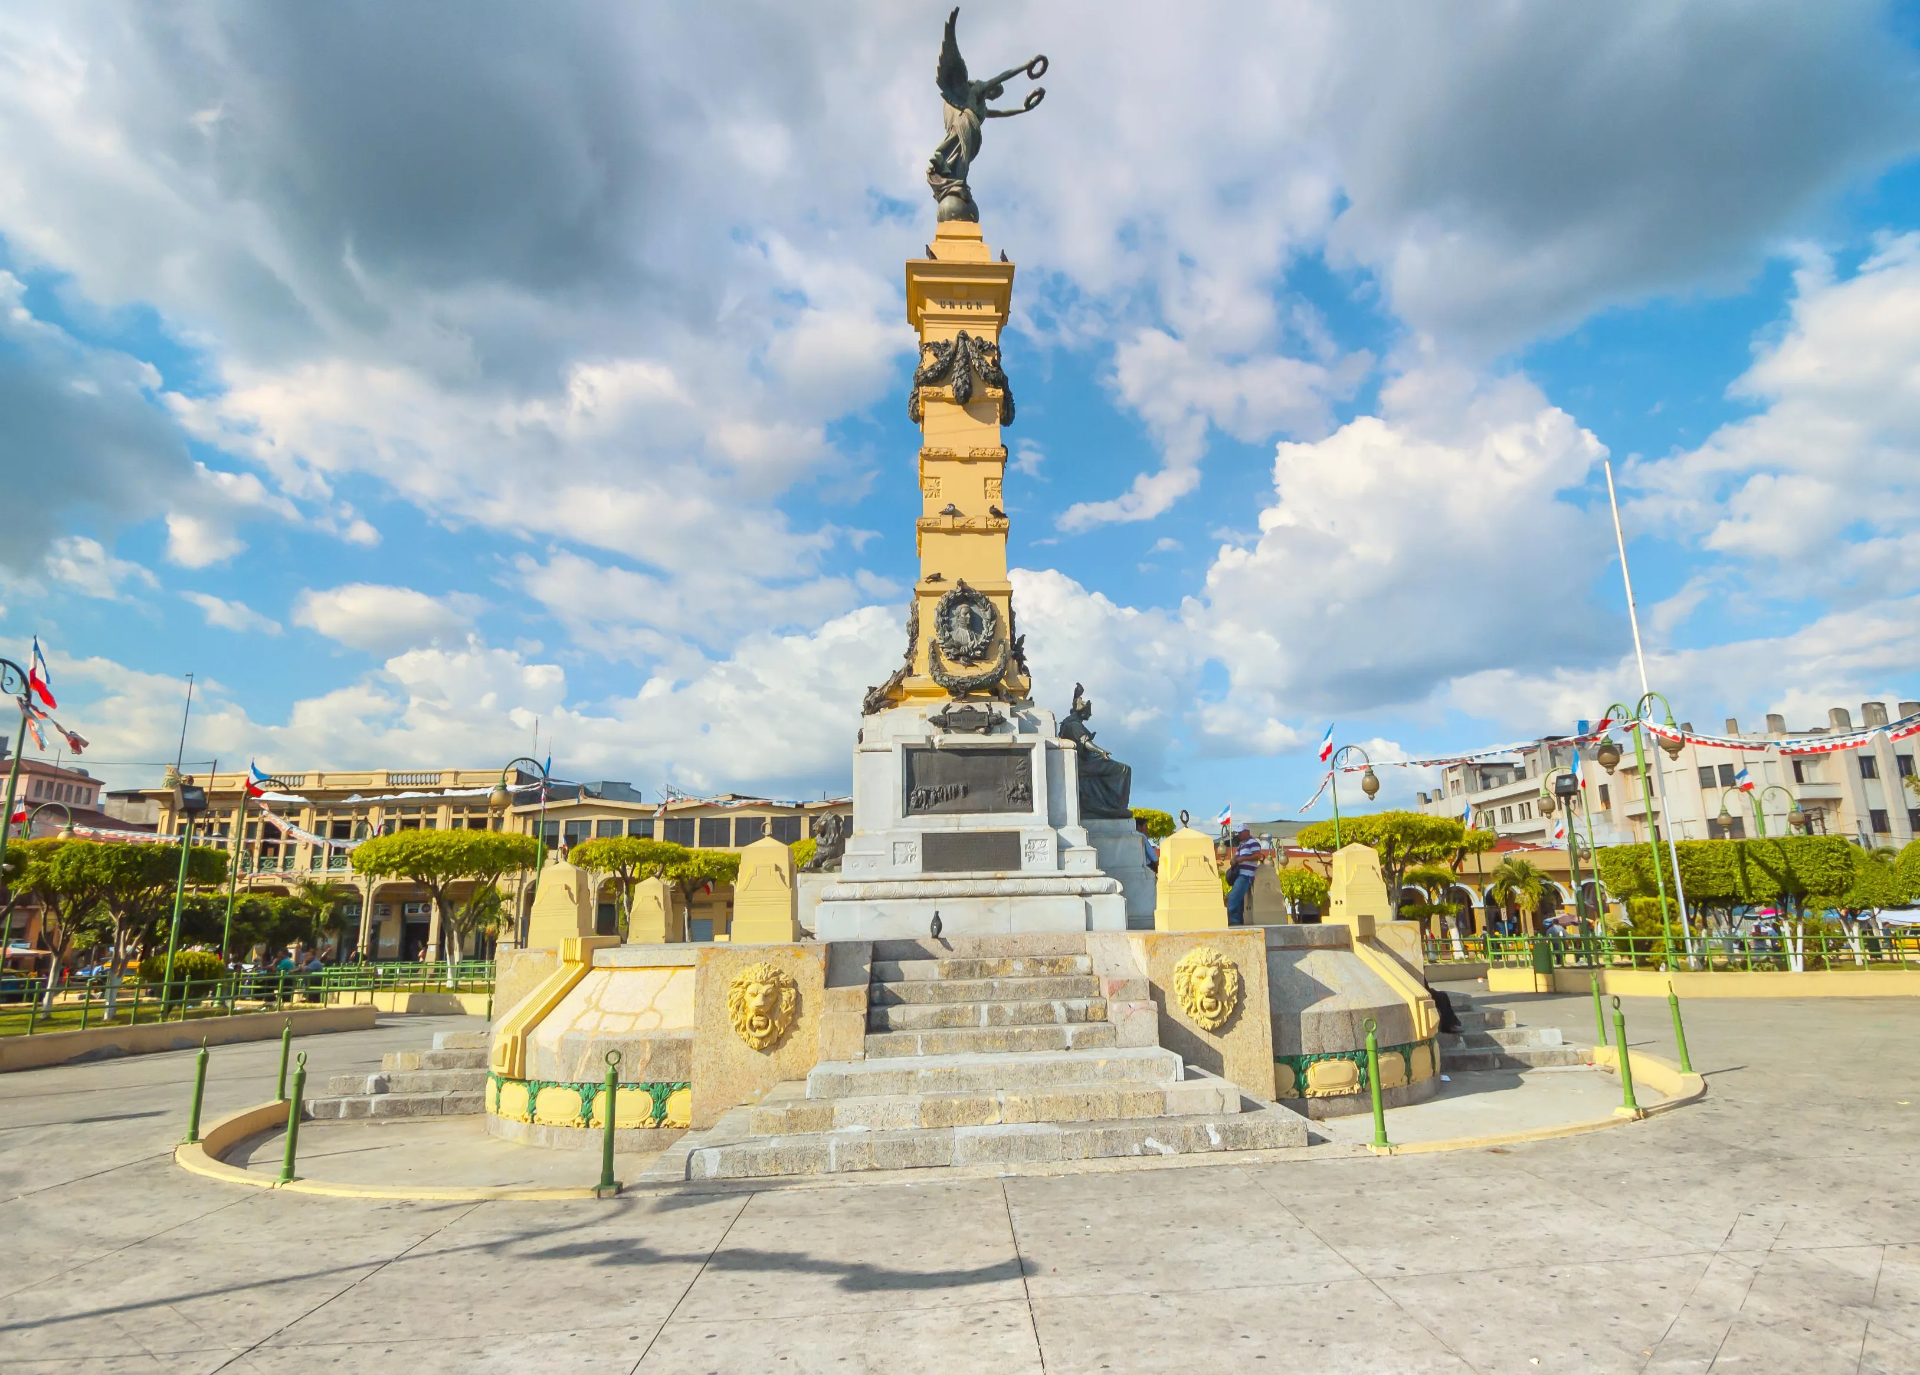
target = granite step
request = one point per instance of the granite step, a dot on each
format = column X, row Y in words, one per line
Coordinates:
column 789, row 1113
column 843, row 1151
column 408, row 1060
column 981, row 967
column 377, row 1105
column 1532, row 1036
column 885, row 1045
column 1485, row 1019
column 1029, row 945
column 1006, row 989
column 992, row 1073
column 410, row 1081
column 946, row 1016
column 1518, row 1057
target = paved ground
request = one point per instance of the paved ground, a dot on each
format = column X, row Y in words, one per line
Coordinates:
column 1773, row 1228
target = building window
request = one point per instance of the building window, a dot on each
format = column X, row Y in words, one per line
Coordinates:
column 786, row 829
column 1453, row 786
column 551, row 838
column 607, row 827
column 1869, row 766
column 578, row 833
column 716, row 832
column 641, row 827
column 679, row 830
column 1726, row 776
column 1913, row 820
column 1799, row 770
column 1904, row 763
column 1733, row 828
column 1526, row 811
column 1878, row 819
column 1706, row 775
column 747, row 829
column 1606, row 800
column 1506, row 814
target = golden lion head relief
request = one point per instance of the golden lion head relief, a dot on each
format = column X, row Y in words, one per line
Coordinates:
column 1207, row 986
column 761, row 1002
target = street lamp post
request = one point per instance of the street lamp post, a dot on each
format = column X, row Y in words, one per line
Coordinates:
column 1565, row 788
column 1609, row 755
column 1369, row 783
column 498, row 801
column 235, row 847
column 189, row 800
column 13, row 682
column 6, row 937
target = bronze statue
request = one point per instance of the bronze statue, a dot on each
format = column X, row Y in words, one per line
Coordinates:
column 830, row 835
column 1106, row 785
column 965, row 110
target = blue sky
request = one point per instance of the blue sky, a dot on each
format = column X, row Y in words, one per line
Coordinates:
column 410, row 388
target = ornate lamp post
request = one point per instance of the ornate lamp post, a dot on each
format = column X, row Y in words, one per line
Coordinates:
column 1369, row 783
column 235, row 849
column 13, row 682
column 1796, row 819
column 498, row 801
column 189, row 800
column 1565, row 787
column 1608, row 755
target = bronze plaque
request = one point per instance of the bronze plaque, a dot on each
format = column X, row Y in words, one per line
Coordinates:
column 969, row 852
column 945, row 782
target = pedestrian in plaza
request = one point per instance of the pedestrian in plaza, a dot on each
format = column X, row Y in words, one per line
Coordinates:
column 1247, row 854
column 1148, row 843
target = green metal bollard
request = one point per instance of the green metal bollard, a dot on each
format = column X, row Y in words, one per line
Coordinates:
column 1626, row 1064
column 293, row 1118
column 1373, row 1084
column 286, row 1044
column 1599, row 1013
column 199, row 1088
column 1679, row 1031
column 609, row 1186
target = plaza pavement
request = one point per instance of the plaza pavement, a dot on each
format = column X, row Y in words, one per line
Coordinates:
column 1774, row 1227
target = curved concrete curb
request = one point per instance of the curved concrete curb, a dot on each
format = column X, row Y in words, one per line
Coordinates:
column 1678, row 1087
column 205, row 1158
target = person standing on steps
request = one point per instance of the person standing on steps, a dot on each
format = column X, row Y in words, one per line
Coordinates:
column 1247, row 854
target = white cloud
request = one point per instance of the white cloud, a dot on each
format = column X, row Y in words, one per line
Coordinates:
column 235, row 615
column 85, row 564
column 1816, row 492
column 380, row 620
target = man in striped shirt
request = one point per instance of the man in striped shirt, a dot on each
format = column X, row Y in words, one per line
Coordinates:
column 1247, row 854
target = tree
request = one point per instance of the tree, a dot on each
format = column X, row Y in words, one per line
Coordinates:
column 313, row 908
column 1908, row 865
column 1401, row 839
column 699, row 869
column 1302, row 888
column 628, row 859
column 67, row 889
column 1160, row 824
column 438, row 860
column 1518, row 883
column 1435, row 881
column 136, row 893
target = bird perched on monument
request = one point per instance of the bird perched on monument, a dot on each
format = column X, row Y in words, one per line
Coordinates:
column 933, row 927
column 996, row 513
column 949, row 510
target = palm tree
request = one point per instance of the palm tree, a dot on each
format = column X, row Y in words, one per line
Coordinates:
column 1520, row 884
column 1436, row 880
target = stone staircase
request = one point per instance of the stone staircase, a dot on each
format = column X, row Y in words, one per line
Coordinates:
column 981, row 1059
column 1491, row 1038
column 449, row 1079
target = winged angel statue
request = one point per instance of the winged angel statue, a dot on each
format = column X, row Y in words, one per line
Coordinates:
column 964, row 111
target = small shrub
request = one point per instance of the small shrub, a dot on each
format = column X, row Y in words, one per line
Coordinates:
column 190, row 966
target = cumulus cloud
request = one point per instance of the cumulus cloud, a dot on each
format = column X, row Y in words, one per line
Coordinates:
column 1815, row 492
column 85, row 564
column 380, row 620
column 234, row 615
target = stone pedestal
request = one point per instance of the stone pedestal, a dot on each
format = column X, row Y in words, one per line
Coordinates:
column 1120, row 851
column 562, row 906
column 1188, row 896
column 981, row 827
column 765, row 903
column 654, row 920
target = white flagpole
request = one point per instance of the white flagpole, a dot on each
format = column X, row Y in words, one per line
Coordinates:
column 1639, row 654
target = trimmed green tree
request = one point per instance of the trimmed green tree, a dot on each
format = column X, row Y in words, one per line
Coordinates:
column 700, row 869
column 1160, row 824
column 1520, row 884
column 56, row 874
column 627, row 860
column 1302, row 888
column 441, row 860
column 1401, row 839
column 136, row 883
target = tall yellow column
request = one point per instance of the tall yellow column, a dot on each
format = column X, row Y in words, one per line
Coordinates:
column 961, row 399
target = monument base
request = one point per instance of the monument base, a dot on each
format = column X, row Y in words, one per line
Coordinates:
column 1122, row 855
column 984, row 905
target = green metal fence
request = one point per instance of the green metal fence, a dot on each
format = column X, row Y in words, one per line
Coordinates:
column 1866, row 949
column 78, row 1004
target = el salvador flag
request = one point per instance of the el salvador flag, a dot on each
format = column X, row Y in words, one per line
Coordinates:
column 1466, row 816
column 1225, row 819
column 1742, row 780
column 1326, row 744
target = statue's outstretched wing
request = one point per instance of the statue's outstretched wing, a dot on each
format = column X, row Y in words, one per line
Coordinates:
column 951, row 75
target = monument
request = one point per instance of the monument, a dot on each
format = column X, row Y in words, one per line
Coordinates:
column 970, row 802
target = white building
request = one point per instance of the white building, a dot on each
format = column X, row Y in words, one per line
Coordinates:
column 1862, row 794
